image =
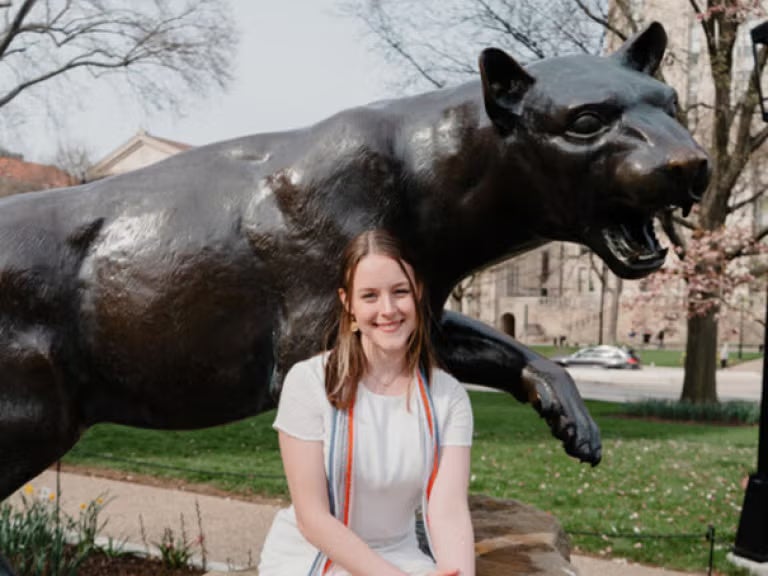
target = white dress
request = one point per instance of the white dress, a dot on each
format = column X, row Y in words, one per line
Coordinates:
column 388, row 466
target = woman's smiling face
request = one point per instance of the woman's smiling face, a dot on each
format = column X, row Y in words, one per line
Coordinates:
column 383, row 304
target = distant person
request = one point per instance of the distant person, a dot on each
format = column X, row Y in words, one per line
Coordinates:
column 724, row 355
column 660, row 338
column 646, row 337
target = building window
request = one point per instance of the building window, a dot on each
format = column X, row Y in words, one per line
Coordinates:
column 544, row 269
column 513, row 278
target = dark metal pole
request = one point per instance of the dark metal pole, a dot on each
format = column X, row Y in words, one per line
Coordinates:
column 762, row 442
column 752, row 536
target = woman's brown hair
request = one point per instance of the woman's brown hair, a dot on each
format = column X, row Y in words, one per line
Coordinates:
column 346, row 363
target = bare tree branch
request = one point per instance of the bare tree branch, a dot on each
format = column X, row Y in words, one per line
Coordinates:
column 603, row 21
column 437, row 41
column 748, row 250
column 761, row 234
column 695, row 7
column 739, row 205
column 15, row 25
column 397, row 47
column 758, row 139
column 192, row 43
column 379, row 24
column 518, row 35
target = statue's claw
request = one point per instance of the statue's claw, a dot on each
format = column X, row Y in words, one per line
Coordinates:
column 553, row 393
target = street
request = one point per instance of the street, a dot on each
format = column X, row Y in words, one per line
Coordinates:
column 741, row 382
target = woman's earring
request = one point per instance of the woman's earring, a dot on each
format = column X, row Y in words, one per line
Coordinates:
column 353, row 327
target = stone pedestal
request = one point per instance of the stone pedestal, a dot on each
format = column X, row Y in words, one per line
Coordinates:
column 511, row 538
column 514, row 538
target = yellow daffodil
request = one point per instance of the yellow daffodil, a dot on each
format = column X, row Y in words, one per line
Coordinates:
column 29, row 489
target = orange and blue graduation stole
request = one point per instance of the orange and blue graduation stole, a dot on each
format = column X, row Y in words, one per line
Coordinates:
column 340, row 463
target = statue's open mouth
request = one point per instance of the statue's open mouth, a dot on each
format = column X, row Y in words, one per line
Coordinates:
column 631, row 249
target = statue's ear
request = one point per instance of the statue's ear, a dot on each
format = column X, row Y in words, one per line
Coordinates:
column 644, row 51
column 505, row 83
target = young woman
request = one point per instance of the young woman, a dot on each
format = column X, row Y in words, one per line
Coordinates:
column 372, row 435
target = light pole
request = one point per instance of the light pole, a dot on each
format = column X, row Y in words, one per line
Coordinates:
column 752, row 536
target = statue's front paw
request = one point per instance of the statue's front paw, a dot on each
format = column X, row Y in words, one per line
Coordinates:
column 554, row 394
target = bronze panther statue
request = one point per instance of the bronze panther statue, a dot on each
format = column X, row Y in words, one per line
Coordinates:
column 177, row 296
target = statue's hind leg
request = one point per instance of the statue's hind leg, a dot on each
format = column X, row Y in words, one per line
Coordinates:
column 38, row 422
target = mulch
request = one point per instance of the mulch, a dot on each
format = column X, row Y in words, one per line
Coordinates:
column 101, row 565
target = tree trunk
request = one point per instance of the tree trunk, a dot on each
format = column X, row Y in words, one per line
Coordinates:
column 601, row 316
column 613, row 319
column 699, row 385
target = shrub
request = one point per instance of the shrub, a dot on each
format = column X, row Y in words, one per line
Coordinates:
column 736, row 412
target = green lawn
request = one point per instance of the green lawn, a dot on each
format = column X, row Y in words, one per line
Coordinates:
column 655, row 478
column 649, row 356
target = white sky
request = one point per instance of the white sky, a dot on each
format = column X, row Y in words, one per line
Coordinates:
column 298, row 63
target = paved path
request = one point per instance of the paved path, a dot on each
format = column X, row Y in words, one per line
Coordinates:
column 234, row 530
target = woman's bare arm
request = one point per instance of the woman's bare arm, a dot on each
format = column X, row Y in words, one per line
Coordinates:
column 450, row 523
column 305, row 470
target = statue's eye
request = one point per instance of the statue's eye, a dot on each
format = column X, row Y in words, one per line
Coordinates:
column 586, row 124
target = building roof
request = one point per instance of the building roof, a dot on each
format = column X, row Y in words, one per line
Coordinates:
column 17, row 176
column 140, row 150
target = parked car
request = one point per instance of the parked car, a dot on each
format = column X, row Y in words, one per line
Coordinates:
column 605, row 356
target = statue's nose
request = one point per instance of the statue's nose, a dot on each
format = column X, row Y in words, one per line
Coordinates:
column 692, row 172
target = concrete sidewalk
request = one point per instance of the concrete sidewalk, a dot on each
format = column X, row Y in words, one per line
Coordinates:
column 234, row 529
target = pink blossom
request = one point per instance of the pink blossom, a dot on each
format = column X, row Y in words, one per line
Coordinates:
column 707, row 278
